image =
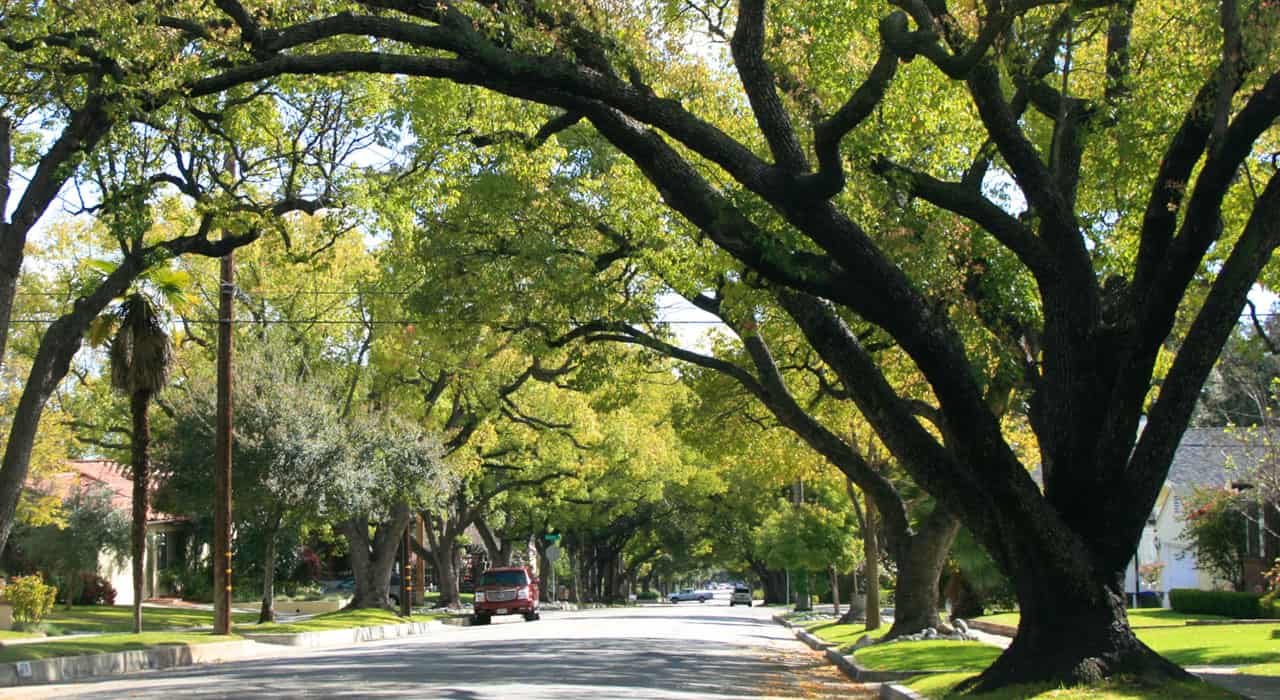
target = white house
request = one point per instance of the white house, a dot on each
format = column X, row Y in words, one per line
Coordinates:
column 1206, row 458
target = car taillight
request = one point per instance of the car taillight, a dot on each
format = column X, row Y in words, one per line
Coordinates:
column 522, row 592
column 479, row 596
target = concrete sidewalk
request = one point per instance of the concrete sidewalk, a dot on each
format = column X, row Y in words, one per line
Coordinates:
column 63, row 669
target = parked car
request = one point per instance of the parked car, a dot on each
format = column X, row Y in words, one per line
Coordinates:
column 505, row 591
column 690, row 594
column 741, row 596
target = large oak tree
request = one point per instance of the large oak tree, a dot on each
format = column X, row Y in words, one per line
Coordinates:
column 1112, row 274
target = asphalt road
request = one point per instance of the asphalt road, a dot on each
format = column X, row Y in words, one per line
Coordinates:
column 684, row 651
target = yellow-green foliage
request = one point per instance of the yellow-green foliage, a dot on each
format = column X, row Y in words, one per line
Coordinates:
column 31, row 598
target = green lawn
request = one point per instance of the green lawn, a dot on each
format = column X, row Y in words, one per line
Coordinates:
column 1138, row 617
column 1271, row 669
column 433, row 598
column 940, row 685
column 929, row 655
column 119, row 618
column 843, row 635
column 105, row 643
column 10, row 634
column 342, row 619
column 1215, row 644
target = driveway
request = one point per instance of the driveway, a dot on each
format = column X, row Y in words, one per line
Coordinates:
column 681, row 651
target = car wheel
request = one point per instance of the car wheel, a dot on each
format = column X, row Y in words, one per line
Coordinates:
column 395, row 600
column 480, row 619
column 702, row 600
column 530, row 617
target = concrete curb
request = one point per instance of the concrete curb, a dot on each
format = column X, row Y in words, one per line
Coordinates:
column 847, row 663
column 893, row 691
column 71, row 668
column 350, row 635
column 813, row 641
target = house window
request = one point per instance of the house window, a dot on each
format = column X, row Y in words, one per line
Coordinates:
column 162, row 550
column 1253, row 530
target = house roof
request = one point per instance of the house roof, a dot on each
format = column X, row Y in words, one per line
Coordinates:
column 1209, row 457
column 106, row 473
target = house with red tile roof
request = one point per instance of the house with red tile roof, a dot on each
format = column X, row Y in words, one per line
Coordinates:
column 167, row 535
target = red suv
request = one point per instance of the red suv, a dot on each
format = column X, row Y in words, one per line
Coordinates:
column 507, row 591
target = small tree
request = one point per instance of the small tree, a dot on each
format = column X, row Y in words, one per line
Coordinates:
column 92, row 526
column 808, row 537
column 1215, row 527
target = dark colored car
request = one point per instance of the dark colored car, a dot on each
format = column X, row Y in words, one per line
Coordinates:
column 509, row 590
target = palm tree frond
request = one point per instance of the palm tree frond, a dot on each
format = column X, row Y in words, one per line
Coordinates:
column 141, row 353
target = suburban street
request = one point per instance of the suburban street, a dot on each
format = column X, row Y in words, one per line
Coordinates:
column 689, row 650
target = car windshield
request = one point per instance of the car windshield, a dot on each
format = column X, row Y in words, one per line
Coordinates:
column 741, row 589
column 504, row 578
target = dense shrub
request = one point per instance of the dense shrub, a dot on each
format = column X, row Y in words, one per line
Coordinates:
column 1226, row 603
column 95, row 590
column 647, row 595
column 31, row 598
column 1146, row 599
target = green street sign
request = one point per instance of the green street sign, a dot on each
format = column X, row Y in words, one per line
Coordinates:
column 552, row 537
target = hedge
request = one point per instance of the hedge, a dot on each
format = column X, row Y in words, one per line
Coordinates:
column 1242, row 606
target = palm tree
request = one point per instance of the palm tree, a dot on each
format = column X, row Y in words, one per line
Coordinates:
column 141, row 355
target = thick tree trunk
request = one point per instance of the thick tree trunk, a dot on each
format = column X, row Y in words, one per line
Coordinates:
column 920, row 563
column 10, row 264
column 499, row 550
column 871, row 550
column 445, row 561
column 138, row 404
column 772, row 581
column 59, row 344
column 835, row 590
column 372, row 560
column 857, row 610
column 1071, row 634
column 800, row 597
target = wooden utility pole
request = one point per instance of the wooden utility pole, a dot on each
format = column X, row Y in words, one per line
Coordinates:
column 420, row 568
column 222, row 456
column 406, row 577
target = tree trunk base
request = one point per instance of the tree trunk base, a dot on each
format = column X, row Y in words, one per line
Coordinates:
column 1075, row 660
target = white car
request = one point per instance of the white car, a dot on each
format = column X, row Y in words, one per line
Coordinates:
column 741, row 596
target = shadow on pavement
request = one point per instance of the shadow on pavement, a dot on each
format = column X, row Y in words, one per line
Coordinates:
column 577, row 668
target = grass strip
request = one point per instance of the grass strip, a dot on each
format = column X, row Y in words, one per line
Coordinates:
column 941, row 685
column 928, row 655
column 1138, row 618
column 342, row 619
column 107, row 643
column 119, row 618
column 1271, row 669
column 845, row 635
